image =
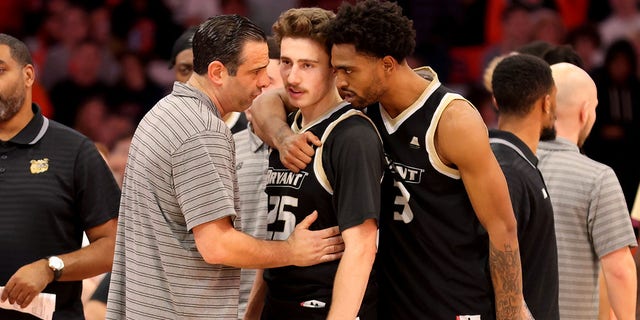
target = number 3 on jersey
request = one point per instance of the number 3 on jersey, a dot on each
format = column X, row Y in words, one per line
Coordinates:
column 402, row 210
column 280, row 221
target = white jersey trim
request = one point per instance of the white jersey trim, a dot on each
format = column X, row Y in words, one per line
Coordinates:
column 512, row 146
column 232, row 119
column 318, row 168
column 297, row 129
column 392, row 124
column 430, row 145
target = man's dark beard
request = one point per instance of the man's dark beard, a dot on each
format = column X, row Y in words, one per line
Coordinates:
column 548, row 134
column 10, row 106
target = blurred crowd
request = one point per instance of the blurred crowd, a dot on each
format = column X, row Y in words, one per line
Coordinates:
column 606, row 36
column 102, row 64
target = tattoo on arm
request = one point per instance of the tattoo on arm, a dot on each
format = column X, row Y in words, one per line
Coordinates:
column 507, row 281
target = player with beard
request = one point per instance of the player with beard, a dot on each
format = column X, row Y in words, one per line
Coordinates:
column 524, row 92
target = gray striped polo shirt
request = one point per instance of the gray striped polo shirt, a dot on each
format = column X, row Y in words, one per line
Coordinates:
column 252, row 157
column 180, row 174
column 591, row 220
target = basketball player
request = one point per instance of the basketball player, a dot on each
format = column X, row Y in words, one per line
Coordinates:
column 524, row 92
column 342, row 182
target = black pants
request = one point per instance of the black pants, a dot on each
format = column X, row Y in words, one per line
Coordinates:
column 275, row 309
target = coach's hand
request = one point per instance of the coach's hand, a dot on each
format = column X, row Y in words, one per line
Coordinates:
column 313, row 247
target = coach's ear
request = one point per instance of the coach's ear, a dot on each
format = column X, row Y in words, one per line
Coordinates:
column 217, row 72
column 583, row 115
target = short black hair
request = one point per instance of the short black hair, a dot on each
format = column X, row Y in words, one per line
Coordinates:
column 17, row 48
column 376, row 28
column 184, row 42
column 563, row 53
column 519, row 81
column 536, row 48
column 221, row 38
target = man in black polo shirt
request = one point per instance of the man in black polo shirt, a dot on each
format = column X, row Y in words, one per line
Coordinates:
column 524, row 91
column 53, row 186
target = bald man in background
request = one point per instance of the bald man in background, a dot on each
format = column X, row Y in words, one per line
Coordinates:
column 592, row 223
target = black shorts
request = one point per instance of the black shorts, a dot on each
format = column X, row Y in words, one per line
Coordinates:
column 276, row 309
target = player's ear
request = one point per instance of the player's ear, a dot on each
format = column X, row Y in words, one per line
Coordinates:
column 546, row 106
column 388, row 63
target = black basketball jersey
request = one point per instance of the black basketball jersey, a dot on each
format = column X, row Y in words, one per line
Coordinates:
column 237, row 121
column 433, row 252
column 536, row 231
column 342, row 182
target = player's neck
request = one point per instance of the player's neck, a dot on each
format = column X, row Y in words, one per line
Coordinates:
column 403, row 89
column 525, row 128
column 312, row 112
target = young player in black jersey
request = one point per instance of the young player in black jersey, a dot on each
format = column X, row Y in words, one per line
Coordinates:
column 342, row 182
column 448, row 236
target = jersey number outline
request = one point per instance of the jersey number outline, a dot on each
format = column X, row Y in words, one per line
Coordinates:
column 401, row 209
column 280, row 221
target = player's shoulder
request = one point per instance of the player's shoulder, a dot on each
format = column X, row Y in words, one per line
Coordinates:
column 460, row 115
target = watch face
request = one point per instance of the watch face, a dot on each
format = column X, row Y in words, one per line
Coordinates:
column 56, row 263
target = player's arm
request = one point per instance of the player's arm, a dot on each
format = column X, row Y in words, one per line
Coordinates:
column 256, row 297
column 354, row 151
column 220, row 243
column 269, row 113
column 462, row 141
column 269, row 116
column 620, row 276
column 353, row 272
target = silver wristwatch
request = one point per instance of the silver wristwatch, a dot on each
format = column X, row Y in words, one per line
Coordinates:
column 56, row 264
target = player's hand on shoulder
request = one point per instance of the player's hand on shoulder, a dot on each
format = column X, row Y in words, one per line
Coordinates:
column 296, row 150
